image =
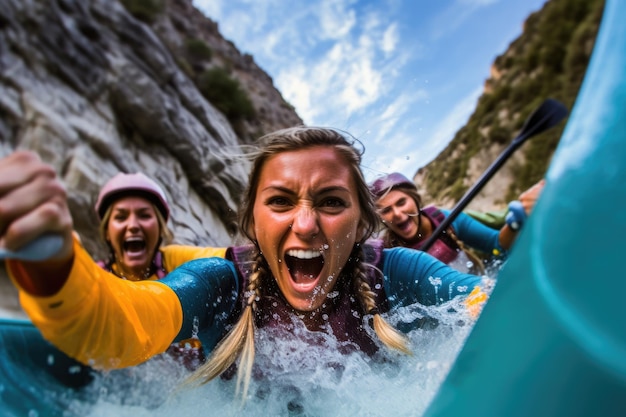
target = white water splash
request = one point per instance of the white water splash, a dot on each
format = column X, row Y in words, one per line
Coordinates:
column 303, row 378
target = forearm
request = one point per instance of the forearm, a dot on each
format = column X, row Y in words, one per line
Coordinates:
column 100, row 319
column 415, row 276
column 479, row 236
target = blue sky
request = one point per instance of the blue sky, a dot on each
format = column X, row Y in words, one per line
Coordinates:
column 400, row 75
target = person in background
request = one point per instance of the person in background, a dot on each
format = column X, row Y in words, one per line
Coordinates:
column 133, row 212
column 407, row 223
column 308, row 213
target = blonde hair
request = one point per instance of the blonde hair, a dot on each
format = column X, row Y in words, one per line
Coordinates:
column 239, row 342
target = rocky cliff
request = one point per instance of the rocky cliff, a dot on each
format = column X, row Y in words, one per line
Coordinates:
column 549, row 59
column 102, row 86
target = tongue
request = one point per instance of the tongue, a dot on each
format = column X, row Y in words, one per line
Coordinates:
column 304, row 270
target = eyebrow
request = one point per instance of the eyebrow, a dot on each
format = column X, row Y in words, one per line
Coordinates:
column 324, row 190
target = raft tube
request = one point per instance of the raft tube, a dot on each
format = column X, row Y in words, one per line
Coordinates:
column 551, row 341
column 36, row 379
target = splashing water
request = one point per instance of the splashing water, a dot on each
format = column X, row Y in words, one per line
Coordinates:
column 301, row 373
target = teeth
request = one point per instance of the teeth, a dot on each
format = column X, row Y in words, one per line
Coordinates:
column 304, row 254
column 134, row 239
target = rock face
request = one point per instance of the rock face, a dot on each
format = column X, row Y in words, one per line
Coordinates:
column 548, row 60
column 97, row 91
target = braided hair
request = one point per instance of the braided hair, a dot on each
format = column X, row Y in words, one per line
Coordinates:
column 239, row 342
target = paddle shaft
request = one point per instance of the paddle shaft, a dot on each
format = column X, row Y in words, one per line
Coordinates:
column 545, row 116
column 471, row 193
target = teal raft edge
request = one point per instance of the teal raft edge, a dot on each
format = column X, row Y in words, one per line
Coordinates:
column 550, row 342
column 37, row 379
column 551, row 339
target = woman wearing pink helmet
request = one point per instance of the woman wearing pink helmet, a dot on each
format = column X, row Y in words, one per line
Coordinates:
column 409, row 224
column 133, row 212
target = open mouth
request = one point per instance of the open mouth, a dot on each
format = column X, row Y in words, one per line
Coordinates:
column 134, row 245
column 405, row 225
column 304, row 265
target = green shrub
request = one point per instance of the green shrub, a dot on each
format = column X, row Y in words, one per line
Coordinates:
column 458, row 190
column 226, row 94
column 145, row 10
column 499, row 134
column 197, row 49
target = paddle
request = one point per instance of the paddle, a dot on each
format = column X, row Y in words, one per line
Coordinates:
column 40, row 249
column 547, row 115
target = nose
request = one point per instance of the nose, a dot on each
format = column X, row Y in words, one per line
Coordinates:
column 133, row 222
column 396, row 213
column 305, row 223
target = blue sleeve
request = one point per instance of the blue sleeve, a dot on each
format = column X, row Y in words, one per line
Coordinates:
column 475, row 234
column 412, row 276
column 207, row 289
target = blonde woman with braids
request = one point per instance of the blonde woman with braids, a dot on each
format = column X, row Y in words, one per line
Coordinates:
column 308, row 213
column 408, row 224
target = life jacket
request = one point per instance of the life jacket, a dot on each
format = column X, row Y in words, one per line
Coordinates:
column 444, row 248
column 345, row 313
column 156, row 266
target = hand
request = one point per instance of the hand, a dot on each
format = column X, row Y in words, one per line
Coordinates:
column 529, row 197
column 32, row 202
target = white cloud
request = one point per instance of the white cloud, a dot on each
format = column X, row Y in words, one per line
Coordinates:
column 336, row 18
column 390, row 39
column 391, row 121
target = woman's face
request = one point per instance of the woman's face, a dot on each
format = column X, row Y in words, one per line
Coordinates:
column 133, row 232
column 399, row 213
column 306, row 221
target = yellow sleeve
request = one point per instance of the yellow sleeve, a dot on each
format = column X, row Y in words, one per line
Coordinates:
column 176, row 255
column 101, row 320
column 475, row 302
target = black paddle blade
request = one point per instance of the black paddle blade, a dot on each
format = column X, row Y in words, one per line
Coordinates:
column 548, row 114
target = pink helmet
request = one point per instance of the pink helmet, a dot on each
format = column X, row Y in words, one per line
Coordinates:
column 123, row 185
column 385, row 183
